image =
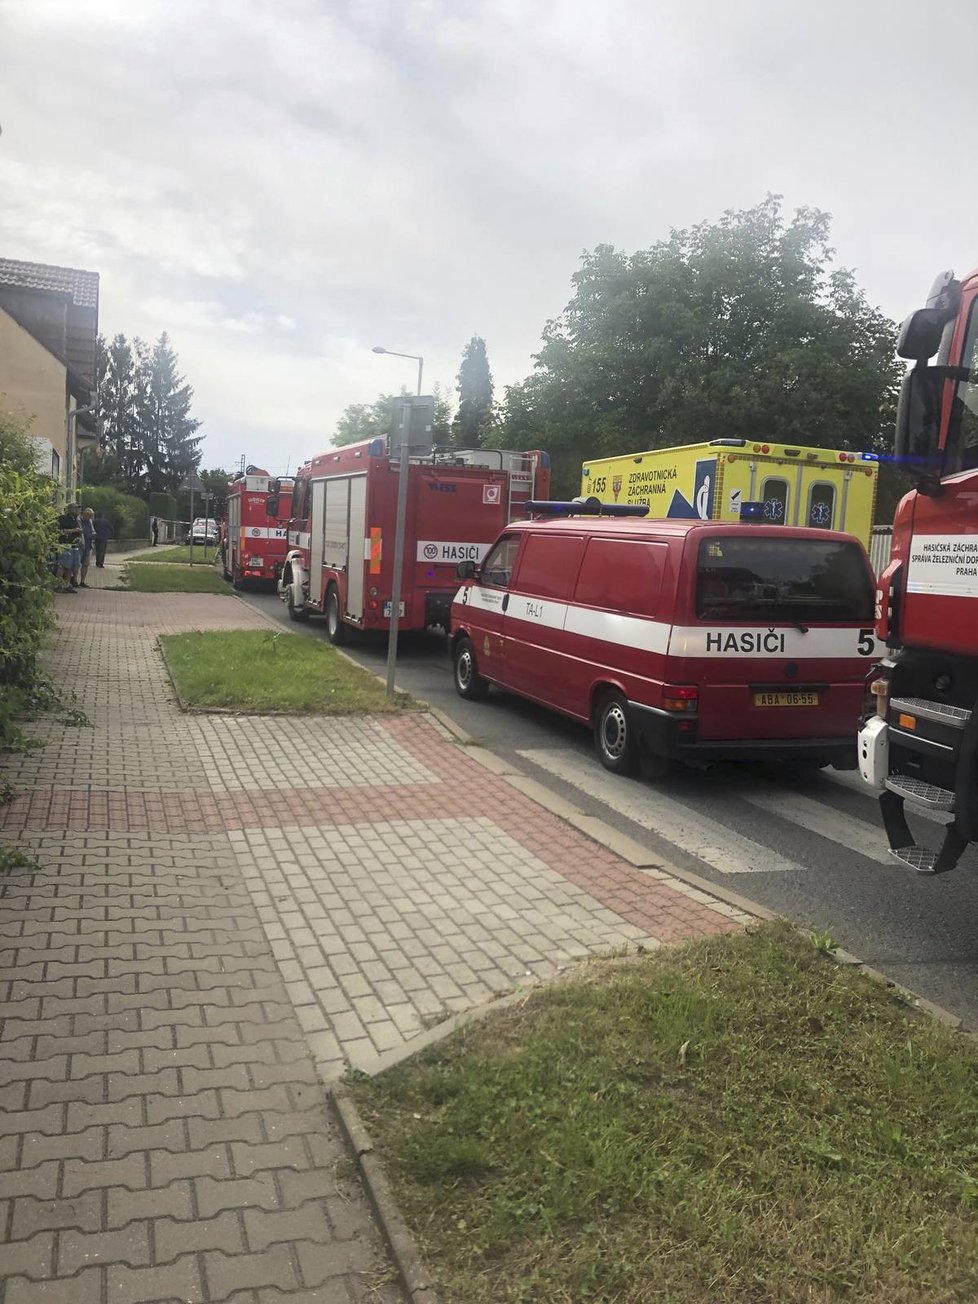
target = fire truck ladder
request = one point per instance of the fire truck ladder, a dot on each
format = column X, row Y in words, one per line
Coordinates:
column 901, row 788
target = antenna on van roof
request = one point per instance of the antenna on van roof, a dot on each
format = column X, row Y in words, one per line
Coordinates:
column 583, row 507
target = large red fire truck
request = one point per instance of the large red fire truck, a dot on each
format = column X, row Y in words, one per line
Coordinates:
column 341, row 534
column 921, row 745
column 254, row 546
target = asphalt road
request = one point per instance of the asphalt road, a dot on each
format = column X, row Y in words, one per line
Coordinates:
column 810, row 848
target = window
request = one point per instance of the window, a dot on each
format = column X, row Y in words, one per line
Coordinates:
column 622, row 575
column 821, row 506
column 300, row 500
column 550, row 564
column 962, row 438
column 775, row 498
column 55, row 465
column 774, row 579
column 497, row 569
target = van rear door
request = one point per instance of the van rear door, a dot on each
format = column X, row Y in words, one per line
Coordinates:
column 782, row 634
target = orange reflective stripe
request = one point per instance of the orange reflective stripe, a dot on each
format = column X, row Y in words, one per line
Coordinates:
column 376, row 550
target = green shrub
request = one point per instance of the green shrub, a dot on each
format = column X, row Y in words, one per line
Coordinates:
column 28, row 540
column 128, row 516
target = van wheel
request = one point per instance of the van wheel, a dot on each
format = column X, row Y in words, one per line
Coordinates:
column 335, row 629
column 468, row 682
column 295, row 613
column 614, row 737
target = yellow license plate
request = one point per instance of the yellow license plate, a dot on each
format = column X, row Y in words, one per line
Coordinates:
column 786, row 699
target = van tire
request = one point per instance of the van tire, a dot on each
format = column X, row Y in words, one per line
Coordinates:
column 614, row 736
column 335, row 629
column 468, row 682
column 295, row 613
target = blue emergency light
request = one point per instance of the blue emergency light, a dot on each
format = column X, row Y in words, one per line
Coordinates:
column 583, row 507
column 751, row 513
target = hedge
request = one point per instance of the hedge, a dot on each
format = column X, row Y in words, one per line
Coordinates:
column 128, row 516
column 28, row 540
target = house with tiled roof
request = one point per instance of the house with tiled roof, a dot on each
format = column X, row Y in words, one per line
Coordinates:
column 48, row 329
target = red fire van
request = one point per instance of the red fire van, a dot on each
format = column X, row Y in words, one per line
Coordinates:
column 690, row 639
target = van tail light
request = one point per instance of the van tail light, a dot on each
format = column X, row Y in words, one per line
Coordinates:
column 682, row 698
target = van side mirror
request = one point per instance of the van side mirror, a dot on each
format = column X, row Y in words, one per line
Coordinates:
column 465, row 570
column 271, row 505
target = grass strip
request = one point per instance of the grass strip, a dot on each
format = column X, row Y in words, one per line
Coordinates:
column 174, row 579
column 268, row 670
column 178, row 554
column 737, row 1120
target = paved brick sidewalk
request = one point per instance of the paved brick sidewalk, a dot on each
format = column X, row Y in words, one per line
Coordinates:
column 224, row 912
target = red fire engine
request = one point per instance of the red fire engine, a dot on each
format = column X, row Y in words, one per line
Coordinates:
column 341, row 535
column 254, row 546
column 921, row 745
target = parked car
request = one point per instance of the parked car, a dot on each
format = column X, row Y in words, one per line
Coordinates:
column 203, row 530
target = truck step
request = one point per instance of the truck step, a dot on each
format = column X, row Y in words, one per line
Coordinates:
column 922, row 794
column 918, row 858
column 954, row 716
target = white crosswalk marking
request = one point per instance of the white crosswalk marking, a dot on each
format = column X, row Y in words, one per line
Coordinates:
column 700, row 836
column 827, row 822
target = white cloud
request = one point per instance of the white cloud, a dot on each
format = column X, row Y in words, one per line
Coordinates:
column 283, row 186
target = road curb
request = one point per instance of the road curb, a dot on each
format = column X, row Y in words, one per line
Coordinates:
column 400, row 1241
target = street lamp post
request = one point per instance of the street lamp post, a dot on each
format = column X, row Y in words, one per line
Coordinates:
column 414, row 356
column 402, row 487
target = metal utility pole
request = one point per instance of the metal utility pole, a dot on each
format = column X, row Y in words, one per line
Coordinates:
column 404, row 454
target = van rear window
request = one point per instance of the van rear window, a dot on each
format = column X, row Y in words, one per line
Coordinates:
column 771, row 579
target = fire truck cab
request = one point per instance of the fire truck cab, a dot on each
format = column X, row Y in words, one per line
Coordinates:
column 686, row 639
column 920, row 745
column 341, row 534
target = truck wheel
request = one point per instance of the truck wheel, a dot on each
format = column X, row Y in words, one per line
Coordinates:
column 237, row 583
column 614, row 737
column 468, row 682
column 295, row 613
column 335, row 629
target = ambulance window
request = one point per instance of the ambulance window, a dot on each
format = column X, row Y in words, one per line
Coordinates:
column 497, row 568
column 821, row 506
column 775, row 497
column 621, row 575
column 549, row 565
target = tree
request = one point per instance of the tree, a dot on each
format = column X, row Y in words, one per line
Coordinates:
column 148, row 437
column 736, row 329
column 474, row 415
column 171, row 444
column 368, row 420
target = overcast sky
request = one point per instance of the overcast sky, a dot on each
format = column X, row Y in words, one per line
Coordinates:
column 282, row 184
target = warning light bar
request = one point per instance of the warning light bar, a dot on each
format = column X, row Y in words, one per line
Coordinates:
column 583, row 507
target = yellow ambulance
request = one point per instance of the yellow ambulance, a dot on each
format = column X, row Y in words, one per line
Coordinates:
column 821, row 488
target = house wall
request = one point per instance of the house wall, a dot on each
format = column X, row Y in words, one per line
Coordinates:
column 33, row 385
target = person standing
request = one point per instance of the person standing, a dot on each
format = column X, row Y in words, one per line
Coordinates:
column 154, row 527
column 87, row 544
column 69, row 532
column 103, row 533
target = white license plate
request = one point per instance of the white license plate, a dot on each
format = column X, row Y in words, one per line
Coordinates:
column 786, row 699
column 389, row 607
column 256, row 561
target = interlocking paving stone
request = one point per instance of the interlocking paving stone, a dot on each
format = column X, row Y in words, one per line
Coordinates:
column 222, row 913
